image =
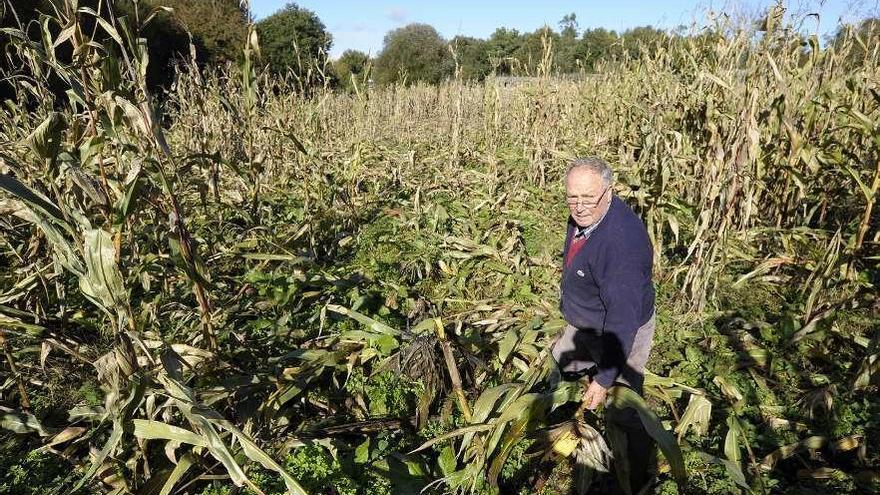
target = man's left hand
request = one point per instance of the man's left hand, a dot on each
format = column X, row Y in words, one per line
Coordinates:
column 594, row 395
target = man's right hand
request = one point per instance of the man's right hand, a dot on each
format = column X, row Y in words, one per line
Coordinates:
column 594, row 396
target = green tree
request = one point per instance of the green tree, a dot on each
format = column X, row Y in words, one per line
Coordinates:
column 167, row 41
column 501, row 48
column 567, row 45
column 595, row 45
column 531, row 51
column 473, row 59
column 351, row 64
column 568, row 25
column 415, row 52
column 294, row 39
column 218, row 27
column 635, row 39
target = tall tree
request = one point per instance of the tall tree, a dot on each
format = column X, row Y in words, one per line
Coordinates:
column 473, row 59
column 567, row 44
column 413, row 53
column 218, row 27
column 532, row 49
column 595, row 45
column 501, row 47
column 294, row 39
column 352, row 64
column 568, row 25
column 166, row 39
column 637, row 38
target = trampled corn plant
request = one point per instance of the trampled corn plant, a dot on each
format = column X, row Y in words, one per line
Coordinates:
column 505, row 415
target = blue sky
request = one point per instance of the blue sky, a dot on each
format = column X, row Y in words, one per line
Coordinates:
column 362, row 25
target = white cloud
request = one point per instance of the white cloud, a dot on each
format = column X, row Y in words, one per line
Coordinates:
column 398, row 15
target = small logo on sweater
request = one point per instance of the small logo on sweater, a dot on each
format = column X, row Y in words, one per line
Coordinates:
column 580, row 272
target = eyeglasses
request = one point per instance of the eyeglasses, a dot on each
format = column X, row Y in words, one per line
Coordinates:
column 575, row 202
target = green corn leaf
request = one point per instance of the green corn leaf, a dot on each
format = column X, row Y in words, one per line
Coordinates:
column 48, row 218
column 452, row 434
column 274, row 257
column 484, row 406
column 128, row 201
column 255, row 453
column 200, row 417
column 512, row 436
column 447, row 461
column 618, row 443
column 373, row 325
column 869, row 194
column 362, row 452
column 10, row 322
column 696, row 416
column 206, row 420
column 733, row 470
column 109, row 446
column 732, row 440
column 623, row 397
column 507, row 344
column 526, row 406
column 22, row 422
column 102, row 282
column 31, row 198
column 215, row 445
column 152, row 430
column 45, row 140
column 786, row 451
column 521, row 405
column 182, row 467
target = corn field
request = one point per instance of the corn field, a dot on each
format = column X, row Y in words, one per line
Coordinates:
column 239, row 287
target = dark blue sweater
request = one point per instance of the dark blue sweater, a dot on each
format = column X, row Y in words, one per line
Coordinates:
column 607, row 288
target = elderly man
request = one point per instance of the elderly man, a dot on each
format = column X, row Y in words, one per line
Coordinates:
column 607, row 299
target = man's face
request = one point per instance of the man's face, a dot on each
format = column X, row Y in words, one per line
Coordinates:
column 586, row 196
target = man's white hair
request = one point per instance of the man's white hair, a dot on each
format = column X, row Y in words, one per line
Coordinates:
column 593, row 164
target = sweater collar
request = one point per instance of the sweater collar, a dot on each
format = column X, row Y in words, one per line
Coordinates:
column 585, row 232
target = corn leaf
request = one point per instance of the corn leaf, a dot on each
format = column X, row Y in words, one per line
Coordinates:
column 180, row 469
column 153, row 430
column 696, row 416
column 623, row 397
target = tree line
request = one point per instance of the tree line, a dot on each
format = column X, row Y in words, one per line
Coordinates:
column 294, row 41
